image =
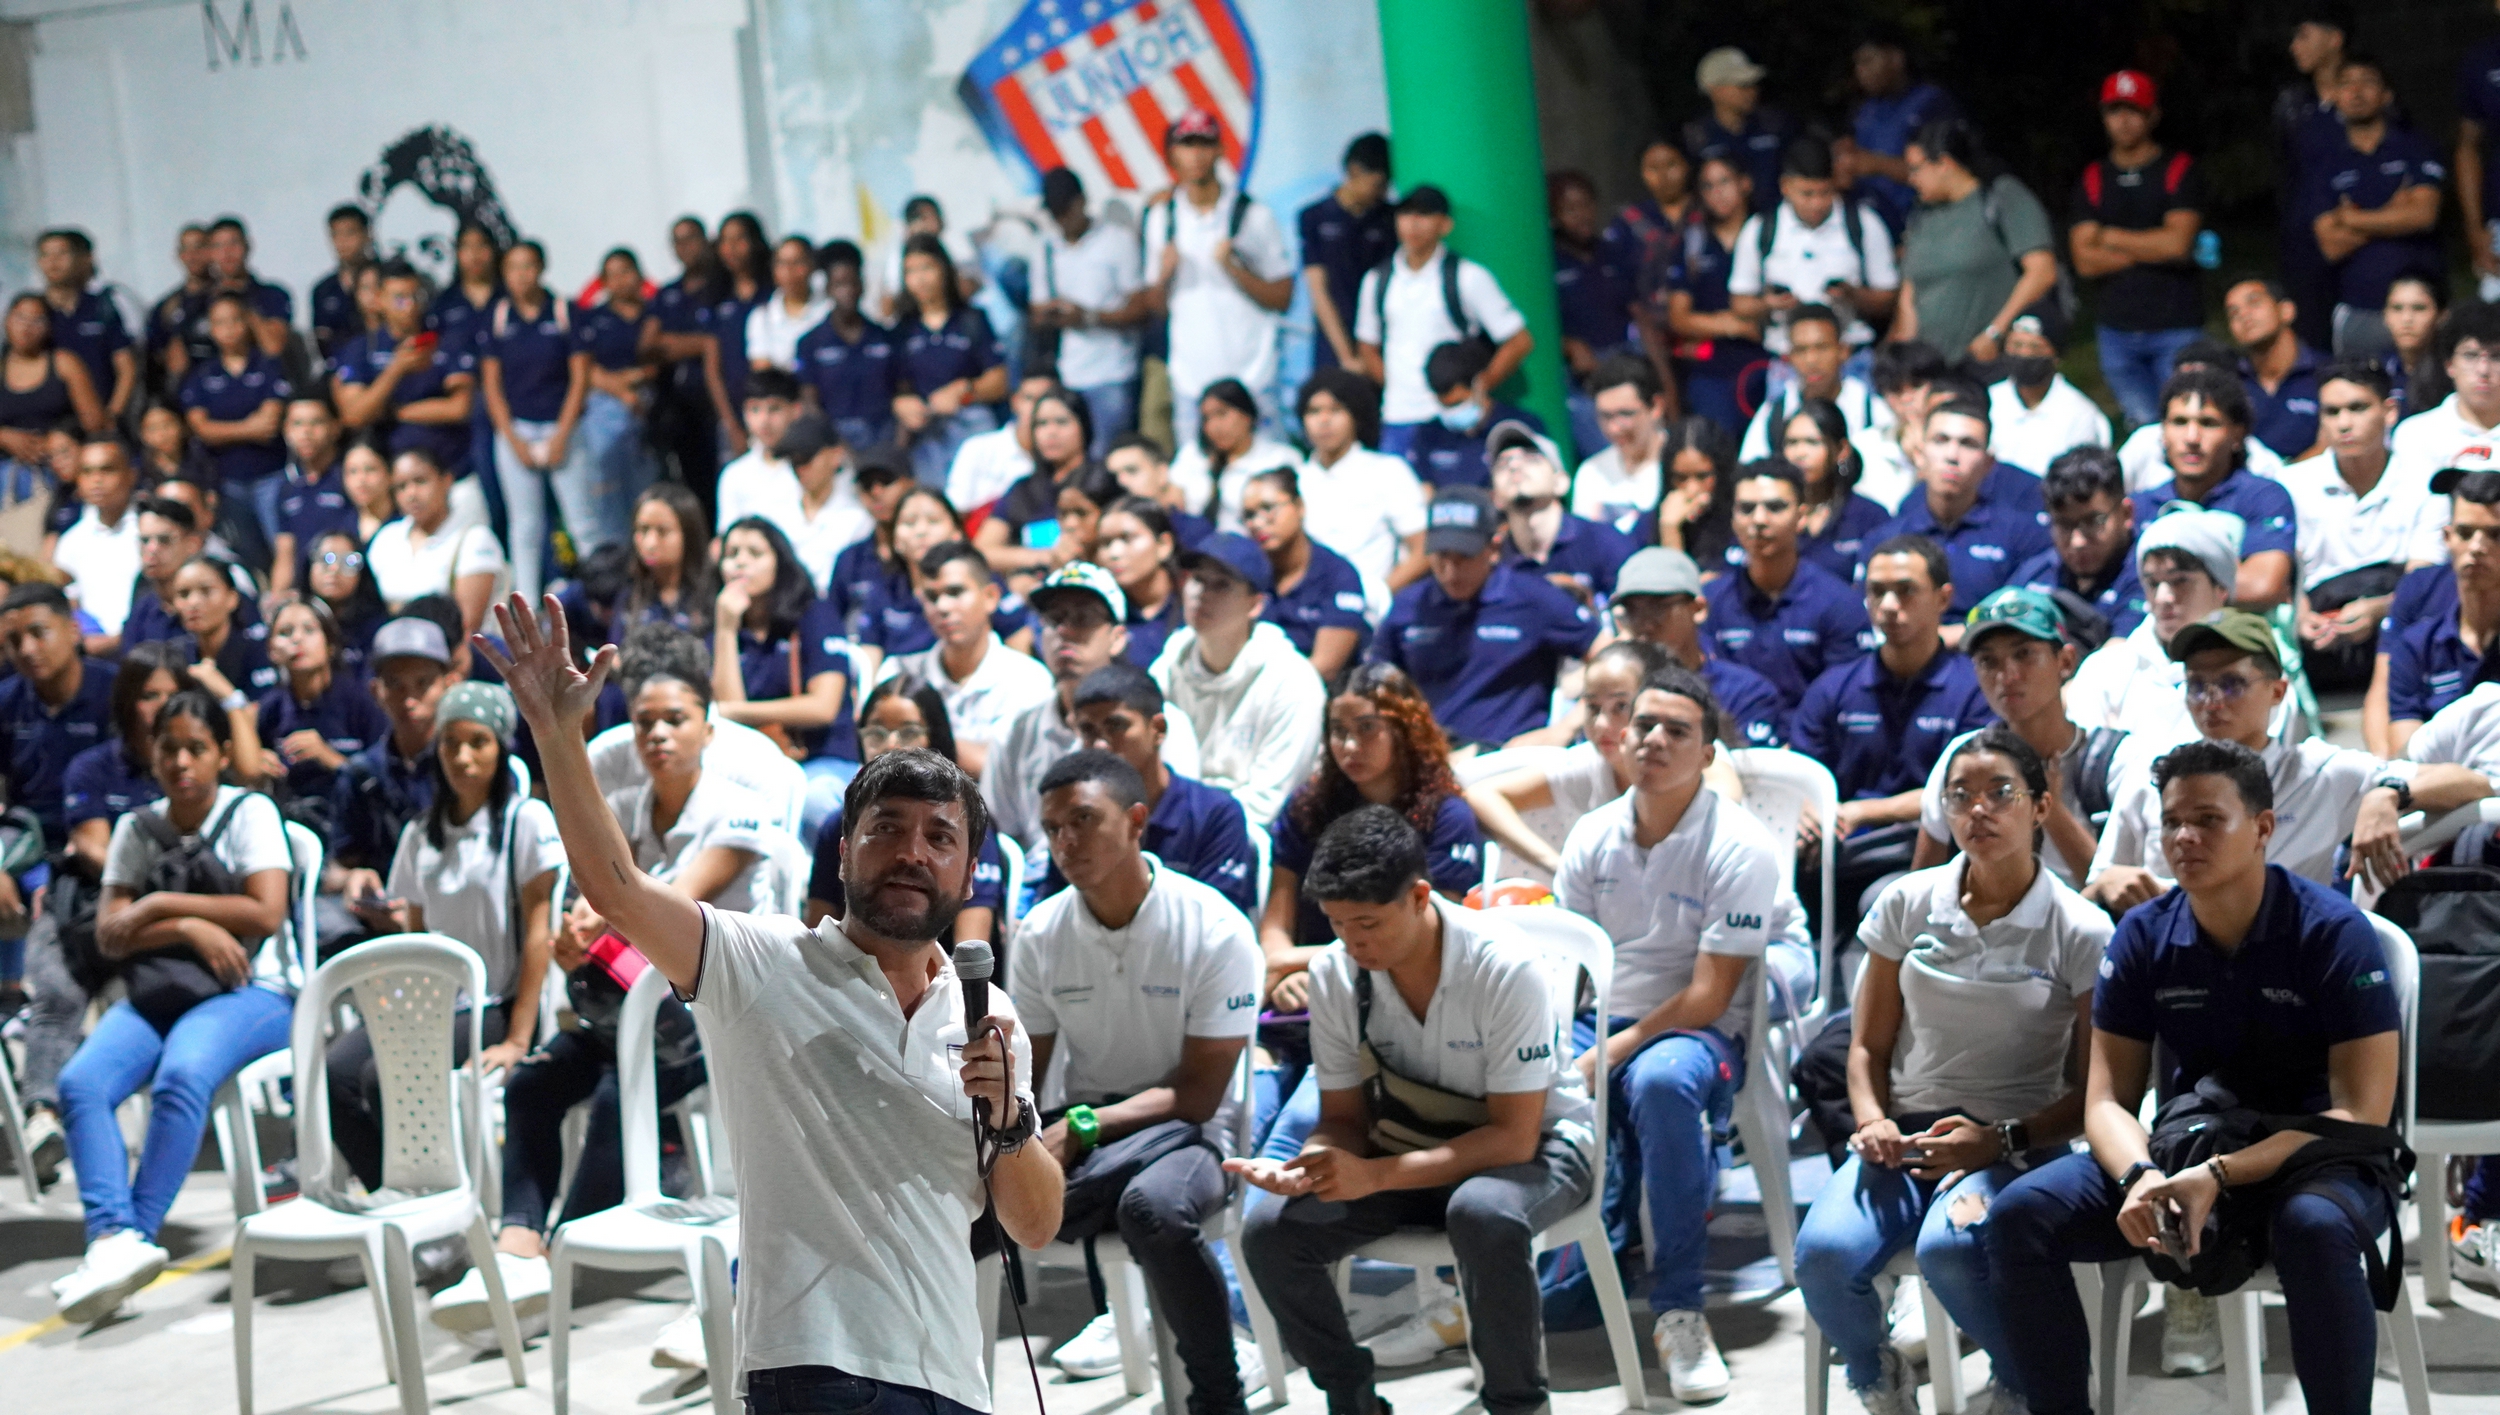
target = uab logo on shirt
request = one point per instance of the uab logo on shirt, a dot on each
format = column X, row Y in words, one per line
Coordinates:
column 1539, row 1052
column 1241, row 1000
column 1744, row 921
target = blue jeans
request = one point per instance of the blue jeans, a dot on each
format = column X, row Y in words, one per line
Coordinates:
column 2066, row 1212
column 933, row 447
column 827, row 779
column 263, row 493
column 575, row 482
column 611, row 432
column 1114, row 407
column 2482, row 1190
column 2137, row 362
column 1856, row 1226
column 825, row 1390
column 182, row 1070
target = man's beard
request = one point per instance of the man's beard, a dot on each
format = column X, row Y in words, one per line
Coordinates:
column 902, row 925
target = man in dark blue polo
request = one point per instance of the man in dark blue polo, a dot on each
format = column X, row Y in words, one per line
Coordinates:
column 1736, row 126
column 2273, row 987
column 1345, row 234
column 84, row 321
column 2442, row 652
column 2278, row 371
column 1190, row 825
column 1984, row 537
column 702, row 342
column 403, row 378
column 849, row 359
column 1881, row 722
column 1485, row 641
column 2093, row 526
column 1657, row 600
column 1451, row 449
column 2204, row 431
column 1783, row 617
column 390, row 783
column 2376, row 190
column 312, row 491
column 57, row 704
column 336, row 317
column 1579, row 556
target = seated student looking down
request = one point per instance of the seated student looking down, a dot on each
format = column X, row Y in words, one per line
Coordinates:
column 194, row 913
column 2185, row 561
column 390, row 783
column 1965, row 1067
column 985, row 683
column 1148, row 981
column 2092, row 529
column 2034, row 414
column 2204, row 431
column 1779, row 614
column 1693, row 891
column 1233, row 679
column 2272, row 987
column 1450, row 449
column 1414, row 972
column 903, row 713
column 1190, row 826
column 1985, row 515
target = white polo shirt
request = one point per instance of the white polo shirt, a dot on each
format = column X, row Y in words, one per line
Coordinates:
column 2340, row 531
column 773, row 332
column 2317, row 794
column 403, row 570
column 2147, row 466
column 1419, row 322
column 984, row 467
column 1717, row 883
column 2132, row 683
column 1363, row 508
column 1193, row 474
column 856, row 1175
column 1885, row 475
column 1860, row 411
column 1122, row 1000
column 2124, row 762
column 1604, row 490
column 1489, row 1030
column 1987, row 1010
column 720, row 812
column 2031, row 438
column 753, row 480
column 979, row 708
column 1581, row 781
column 1099, row 272
column 820, row 537
column 2464, row 733
column 738, row 756
column 1807, row 259
column 103, row 565
column 2419, row 448
column 1215, row 329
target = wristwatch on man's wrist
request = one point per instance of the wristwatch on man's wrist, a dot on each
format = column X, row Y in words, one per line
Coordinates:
column 2402, row 788
column 1013, row 1137
column 2014, row 1135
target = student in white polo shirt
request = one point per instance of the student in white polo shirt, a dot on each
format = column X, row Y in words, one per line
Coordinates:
column 1694, row 892
column 1621, row 484
column 2355, row 522
column 1422, row 1000
column 1150, row 982
column 984, row 682
column 1216, row 266
column 2034, row 415
column 1817, row 247
column 1417, row 301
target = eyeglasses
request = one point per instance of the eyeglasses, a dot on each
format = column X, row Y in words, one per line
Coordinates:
column 2475, row 356
column 1961, row 800
column 341, row 560
column 912, row 735
column 2230, row 687
column 2091, row 525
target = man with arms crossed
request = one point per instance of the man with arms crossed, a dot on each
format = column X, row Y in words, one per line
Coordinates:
column 833, row 1044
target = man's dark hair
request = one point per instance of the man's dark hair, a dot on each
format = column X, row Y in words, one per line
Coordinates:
column 2275, row 289
column 1116, row 775
column 657, row 651
column 2078, row 474
column 1618, row 370
column 2477, row 320
column 229, row 223
column 773, row 383
column 79, row 241
column 2246, row 769
column 1062, row 188
column 1910, row 364
column 1369, row 856
column 1141, row 442
column 941, row 556
column 2481, row 488
column 2372, row 376
column 2219, row 388
column 1960, row 404
column 1119, row 682
column 919, row 204
column 316, row 394
column 2363, row 59
column 1809, row 157
column 398, row 269
column 1778, row 469
column 841, row 252
column 111, row 437
column 1683, row 682
column 36, row 594
column 1939, row 569
column 348, row 211
column 917, row 774
column 171, row 510
column 1815, row 314
column 1370, row 151
column 2333, row 14
column 2208, row 353
column 1354, row 393
column 1455, row 365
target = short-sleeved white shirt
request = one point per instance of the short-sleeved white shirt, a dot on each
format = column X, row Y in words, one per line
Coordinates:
column 1604, row 491
column 1861, row 412
column 1122, row 1000
column 2317, row 793
column 718, row 812
column 1419, row 321
column 103, row 565
column 2147, row 466
column 1489, row 1030
column 2132, row 683
column 1807, row 259
column 1581, row 781
column 1215, row 329
column 2031, row 438
column 1035, row 740
column 985, row 466
column 2339, row 531
column 1099, row 272
column 464, row 887
column 2464, row 733
column 980, row 707
column 738, row 756
column 1885, row 475
column 1987, row 1010
column 252, row 841
column 403, row 571
column 856, row 1179
column 773, row 332
column 1363, row 508
column 751, row 481
column 1717, row 883
column 818, row 539
column 1194, row 475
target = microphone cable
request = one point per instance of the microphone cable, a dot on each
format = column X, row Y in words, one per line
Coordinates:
column 985, row 1158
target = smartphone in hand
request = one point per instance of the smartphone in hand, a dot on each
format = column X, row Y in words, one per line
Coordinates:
column 2166, row 1230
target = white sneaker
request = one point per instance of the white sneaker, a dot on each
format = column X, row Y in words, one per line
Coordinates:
column 679, row 1346
column 2191, row 1334
column 1895, row 1391
column 1092, row 1352
column 1248, row 1362
column 1997, row 1400
column 46, row 1143
column 1689, row 1354
column 1909, row 1322
column 2474, row 1251
column 462, row 1307
column 1441, row 1326
column 117, row 1265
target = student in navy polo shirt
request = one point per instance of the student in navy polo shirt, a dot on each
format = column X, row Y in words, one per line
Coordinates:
column 777, row 660
column 949, row 369
column 849, row 358
column 2093, row 527
column 1658, row 600
column 1736, row 126
column 1485, row 641
column 537, row 380
column 1882, row 722
column 2377, row 195
column 1190, row 825
column 406, row 378
column 320, row 715
column 312, row 490
column 1529, row 484
column 615, row 332
column 217, row 628
column 236, row 402
column 1716, row 349
column 53, row 707
column 335, row 317
column 1449, row 451
column 1320, row 600
column 701, row 333
column 2444, row 648
column 2276, row 989
column 390, row 783
column 1984, row 537
column 459, row 310
column 230, row 259
column 84, row 319
column 1778, row 614
column 1815, row 439
column 1895, row 106
column 1596, row 286
column 905, row 712
column 1344, row 234
column 2279, row 371
column 2204, row 424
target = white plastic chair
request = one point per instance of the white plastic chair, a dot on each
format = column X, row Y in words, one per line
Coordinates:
column 2242, row 1314
column 12, row 1117
column 1265, row 848
column 258, row 1088
column 1011, row 859
column 1484, row 766
column 782, row 887
column 649, row 1231
column 407, row 987
column 1779, row 786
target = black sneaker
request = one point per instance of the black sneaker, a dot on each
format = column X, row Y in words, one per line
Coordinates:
column 278, row 1183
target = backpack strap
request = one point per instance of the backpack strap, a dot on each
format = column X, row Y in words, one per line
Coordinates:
column 1451, row 304
column 1767, row 234
column 1240, row 213
column 1380, row 299
column 2100, row 751
column 1362, row 1006
column 1853, row 225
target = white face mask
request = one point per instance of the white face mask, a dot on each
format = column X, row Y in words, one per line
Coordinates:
column 1461, row 418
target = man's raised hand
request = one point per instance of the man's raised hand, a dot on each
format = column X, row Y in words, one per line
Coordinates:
column 551, row 691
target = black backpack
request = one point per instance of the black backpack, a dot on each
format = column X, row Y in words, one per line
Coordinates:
column 1469, row 332
column 1766, row 233
column 165, row 983
column 2453, row 913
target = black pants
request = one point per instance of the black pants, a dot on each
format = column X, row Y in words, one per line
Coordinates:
column 356, row 1091
column 1160, row 1217
column 829, row 1390
column 574, row 1067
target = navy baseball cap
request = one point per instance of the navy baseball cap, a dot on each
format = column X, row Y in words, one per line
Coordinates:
column 1460, row 521
column 1238, row 555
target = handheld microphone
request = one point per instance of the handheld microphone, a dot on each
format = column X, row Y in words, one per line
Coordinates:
column 973, row 966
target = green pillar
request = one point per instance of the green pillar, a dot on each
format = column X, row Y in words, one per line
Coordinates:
column 1462, row 116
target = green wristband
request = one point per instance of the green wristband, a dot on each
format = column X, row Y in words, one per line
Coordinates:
column 1085, row 1126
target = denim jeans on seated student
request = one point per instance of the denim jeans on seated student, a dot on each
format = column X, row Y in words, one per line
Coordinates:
column 933, row 447
column 182, row 1069
column 575, row 482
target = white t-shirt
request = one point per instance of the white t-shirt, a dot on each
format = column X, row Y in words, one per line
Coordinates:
column 1987, row 1010
column 855, row 1161
column 2317, row 793
column 1419, row 321
column 1807, row 259
column 2132, row 683
column 2124, row 761
column 2339, row 531
column 1121, row 1000
column 1717, row 883
column 984, row 467
column 1216, row 330
column 1604, row 491
column 718, row 813
column 2464, row 733
column 1885, row 475
column 980, row 707
column 819, row 539
column 1363, row 508
column 253, row 841
column 2031, row 438
column 103, row 565
column 1194, row 476
column 738, row 756
column 403, row 570
column 2147, row 466
column 752, row 480
column 464, row 887
column 1489, row 1030
column 1860, row 412
column 1581, row 780
column 1098, row 273
column 773, row 332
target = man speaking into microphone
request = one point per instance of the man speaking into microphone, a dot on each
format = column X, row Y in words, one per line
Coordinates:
column 852, row 1124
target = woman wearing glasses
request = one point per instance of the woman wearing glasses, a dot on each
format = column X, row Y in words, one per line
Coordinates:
column 1965, row 1066
column 334, row 570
